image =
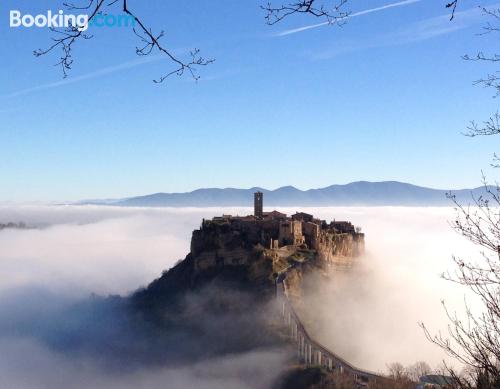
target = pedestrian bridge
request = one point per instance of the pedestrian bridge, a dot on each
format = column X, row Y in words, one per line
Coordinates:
column 309, row 351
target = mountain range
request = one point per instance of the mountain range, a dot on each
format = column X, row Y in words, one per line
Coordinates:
column 360, row 193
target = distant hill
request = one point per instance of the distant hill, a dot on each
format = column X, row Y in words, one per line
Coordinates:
column 360, row 193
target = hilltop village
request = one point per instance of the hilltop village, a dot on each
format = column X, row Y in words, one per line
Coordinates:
column 233, row 240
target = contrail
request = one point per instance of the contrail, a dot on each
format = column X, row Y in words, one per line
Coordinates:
column 367, row 11
column 97, row 73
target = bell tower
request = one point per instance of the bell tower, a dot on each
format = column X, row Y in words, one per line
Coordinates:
column 257, row 204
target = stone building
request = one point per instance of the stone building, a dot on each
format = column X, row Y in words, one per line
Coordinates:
column 290, row 233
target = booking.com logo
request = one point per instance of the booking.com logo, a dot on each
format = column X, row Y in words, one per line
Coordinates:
column 60, row 19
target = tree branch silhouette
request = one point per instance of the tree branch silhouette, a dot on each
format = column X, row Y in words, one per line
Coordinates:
column 333, row 14
column 65, row 39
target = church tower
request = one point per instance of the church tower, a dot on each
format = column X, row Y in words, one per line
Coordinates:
column 257, row 204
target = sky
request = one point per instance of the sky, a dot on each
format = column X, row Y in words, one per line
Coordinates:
column 384, row 97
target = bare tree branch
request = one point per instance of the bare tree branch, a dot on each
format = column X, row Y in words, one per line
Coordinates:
column 65, row 38
column 453, row 6
column 151, row 41
column 492, row 80
column 333, row 14
column 473, row 338
column 491, row 126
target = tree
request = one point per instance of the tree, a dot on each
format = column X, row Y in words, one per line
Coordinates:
column 398, row 378
column 490, row 126
column 474, row 339
column 417, row 370
column 334, row 11
column 66, row 37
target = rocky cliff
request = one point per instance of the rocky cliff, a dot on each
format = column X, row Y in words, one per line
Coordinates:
column 245, row 253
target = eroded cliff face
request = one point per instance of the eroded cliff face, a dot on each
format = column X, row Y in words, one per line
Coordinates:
column 339, row 249
column 218, row 247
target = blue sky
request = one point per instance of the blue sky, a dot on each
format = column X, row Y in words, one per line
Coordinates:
column 384, row 97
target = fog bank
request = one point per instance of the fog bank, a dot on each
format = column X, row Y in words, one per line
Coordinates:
column 369, row 315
